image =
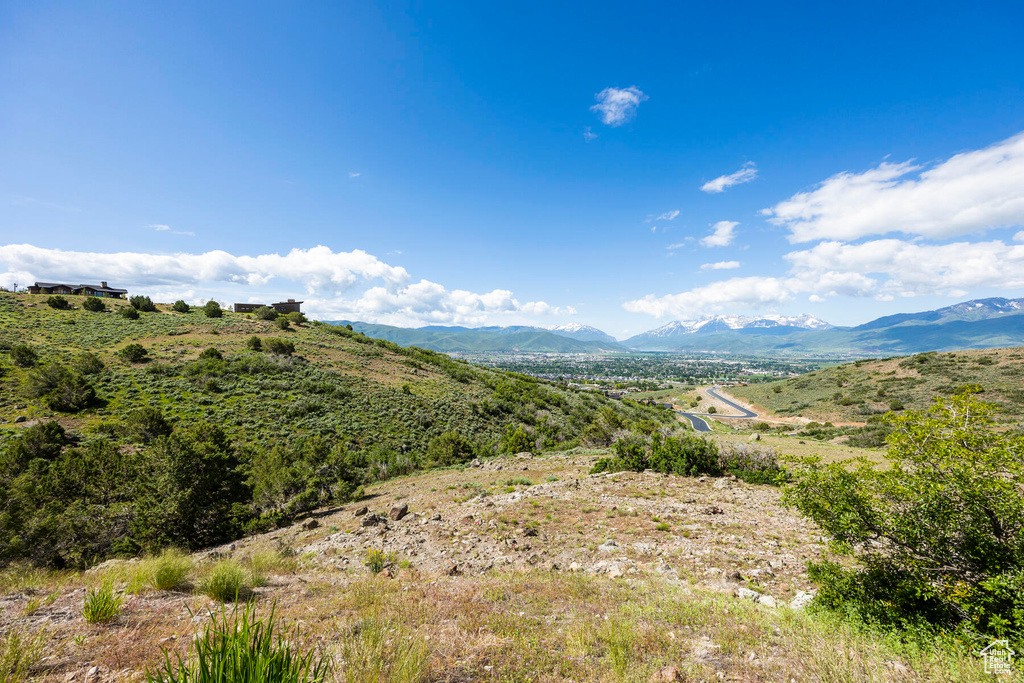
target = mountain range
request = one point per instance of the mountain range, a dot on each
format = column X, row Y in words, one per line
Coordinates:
column 980, row 323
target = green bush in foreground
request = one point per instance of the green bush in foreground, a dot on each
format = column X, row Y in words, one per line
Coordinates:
column 60, row 388
column 939, row 534
column 244, row 649
column 142, row 303
column 133, row 353
column 129, row 313
column 58, row 302
column 101, row 605
column 212, row 309
column 227, row 581
column 181, row 307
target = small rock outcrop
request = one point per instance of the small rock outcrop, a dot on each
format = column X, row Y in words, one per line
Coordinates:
column 398, row 512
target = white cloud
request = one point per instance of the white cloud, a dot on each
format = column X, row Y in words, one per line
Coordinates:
column 159, row 227
column 1019, row 237
column 377, row 291
column 354, row 174
column 741, row 291
column 880, row 269
column 588, row 134
column 719, row 184
column 721, row 234
column 668, row 215
column 721, row 265
column 676, row 245
column 968, row 193
column 616, row 106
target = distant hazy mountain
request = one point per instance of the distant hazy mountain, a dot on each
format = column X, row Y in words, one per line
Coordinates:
column 515, row 338
column 582, row 332
column 982, row 323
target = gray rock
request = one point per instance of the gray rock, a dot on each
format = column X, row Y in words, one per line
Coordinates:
column 19, row 419
column 609, row 546
column 372, row 519
column 310, row 524
column 801, row 600
column 362, row 511
column 399, row 511
column 747, row 594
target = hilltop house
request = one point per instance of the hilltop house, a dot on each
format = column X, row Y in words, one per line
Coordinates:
column 290, row 306
column 100, row 290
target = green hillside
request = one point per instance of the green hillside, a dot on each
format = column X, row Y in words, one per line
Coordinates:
column 484, row 340
column 206, row 438
column 859, row 391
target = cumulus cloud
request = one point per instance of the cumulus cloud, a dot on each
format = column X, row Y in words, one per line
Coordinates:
column 342, row 284
column 721, row 234
column 616, row 106
column 968, row 193
column 721, row 265
column 668, row 215
column 721, row 183
column 879, row 269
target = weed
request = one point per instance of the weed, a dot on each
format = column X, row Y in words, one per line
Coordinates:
column 101, row 605
column 244, row 649
column 379, row 650
column 378, row 560
column 19, row 654
column 170, row 570
column 226, row 581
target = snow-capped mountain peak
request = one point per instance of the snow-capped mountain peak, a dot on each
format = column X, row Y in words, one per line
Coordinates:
column 721, row 323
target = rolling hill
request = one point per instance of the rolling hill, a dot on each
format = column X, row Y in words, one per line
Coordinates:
column 520, row 338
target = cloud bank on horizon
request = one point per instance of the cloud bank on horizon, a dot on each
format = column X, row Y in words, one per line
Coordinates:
column 968, row 194
column 351, row 284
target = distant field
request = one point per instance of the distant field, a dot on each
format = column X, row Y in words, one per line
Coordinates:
column 858, row 391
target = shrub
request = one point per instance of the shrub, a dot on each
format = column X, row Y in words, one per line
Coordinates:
column 145, row 424
column 133, row 353
column 58, row 302
column 226, row 581
column 265, row 313
column 101, row 605
column 753, row 464
column 211, row 353
column 212, row 309
column 712, row 410
column 282, row 323
column 449, row 448
column 171, row 570
column 296, row 318
column 281, row 347
column 129, row 313
column 23, row 355
column 142, row 303
column 939, row 534
column 94, row 304
column 517, row 440
column 180, row 306
column 688, row 454
column 61, row 388
column 245, row 649
column 88, row 364
column 253, row 343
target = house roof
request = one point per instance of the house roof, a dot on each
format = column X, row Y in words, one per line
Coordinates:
column 95, row 288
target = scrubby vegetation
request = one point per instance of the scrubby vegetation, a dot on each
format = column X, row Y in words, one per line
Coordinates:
column 867, row 389
column 938, row 535
column 203, row 443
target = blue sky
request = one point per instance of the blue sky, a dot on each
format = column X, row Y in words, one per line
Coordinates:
column 489, row 163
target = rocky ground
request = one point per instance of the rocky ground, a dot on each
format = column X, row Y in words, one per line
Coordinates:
column 514, row 569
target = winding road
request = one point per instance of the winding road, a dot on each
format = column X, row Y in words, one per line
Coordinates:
column 701, row 425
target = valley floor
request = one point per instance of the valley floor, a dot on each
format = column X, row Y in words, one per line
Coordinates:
column 518, row 569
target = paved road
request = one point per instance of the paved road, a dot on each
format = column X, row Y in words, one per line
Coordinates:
column 701, row 425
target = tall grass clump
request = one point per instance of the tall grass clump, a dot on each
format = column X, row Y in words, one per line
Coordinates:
column 101, row 605
column 263, row 563
column 19, row 654
column 170, row 570
column 226, row 581
column 244, row 649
